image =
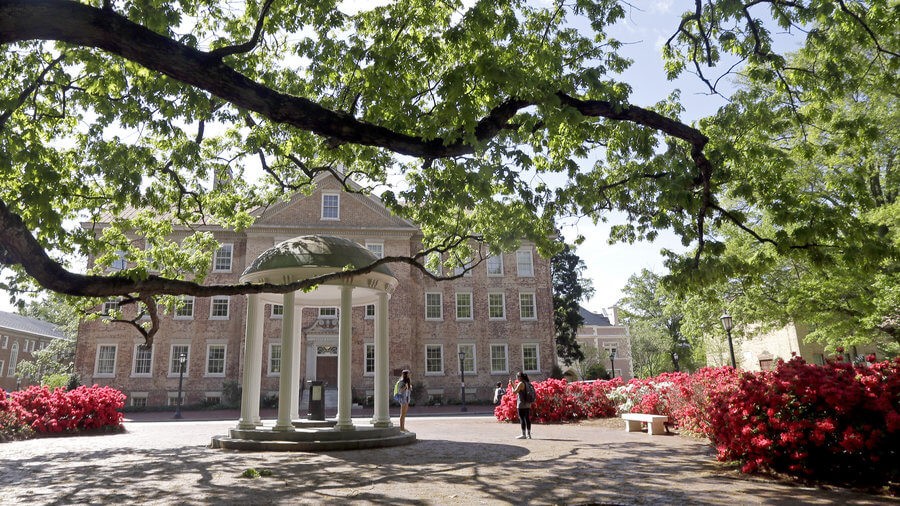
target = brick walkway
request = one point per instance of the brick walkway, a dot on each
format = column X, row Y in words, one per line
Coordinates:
column 457, row 460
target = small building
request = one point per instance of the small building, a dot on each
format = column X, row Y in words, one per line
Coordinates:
column 20, row 337
column 761, row 351
column 603, row 332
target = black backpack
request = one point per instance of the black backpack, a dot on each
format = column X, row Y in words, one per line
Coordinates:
column 530, row 394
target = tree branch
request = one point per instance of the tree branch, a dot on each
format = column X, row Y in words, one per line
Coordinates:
column 222, row 52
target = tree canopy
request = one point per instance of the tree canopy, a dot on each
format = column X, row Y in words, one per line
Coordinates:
column 496, row 117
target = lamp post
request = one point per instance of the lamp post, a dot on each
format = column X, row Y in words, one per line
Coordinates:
column 462, row 380
column 182, row 359
column 612, row 365
column 728, row 324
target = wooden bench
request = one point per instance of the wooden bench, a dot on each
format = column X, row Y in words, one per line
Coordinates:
column 655, row 423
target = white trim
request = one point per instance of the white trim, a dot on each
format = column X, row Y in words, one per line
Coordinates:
column 366, row 346
column 2, row 363
column 97, row 373
column 186, row 300
column 530, row 263
column 173, row 359
column 322, row 208
column 212, row 305
column 471, row 306
column 206, row 373
column 503, row 306
column 471, row 346
column 533, row 306
column 5, row 342
column 487, row 266
column 537, row 349
column 273, row 315
column 377, row 245
column 138, row 395
column 134, row 357
column 269, row 360
column 505, row 357
column 229, row 247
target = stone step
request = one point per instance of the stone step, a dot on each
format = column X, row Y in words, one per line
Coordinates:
column 228, row 443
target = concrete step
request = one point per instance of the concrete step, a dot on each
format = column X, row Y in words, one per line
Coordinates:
column 230, row 443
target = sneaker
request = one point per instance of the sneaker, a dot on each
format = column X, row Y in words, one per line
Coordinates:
column 521, row 437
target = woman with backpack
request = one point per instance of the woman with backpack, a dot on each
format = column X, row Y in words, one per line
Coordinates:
column 525, row 396
column 402, row 391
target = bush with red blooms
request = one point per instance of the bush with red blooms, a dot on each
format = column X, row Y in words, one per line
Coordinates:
column 838, row 422
column 560, row 401
column 12, row 423
column 60, row 410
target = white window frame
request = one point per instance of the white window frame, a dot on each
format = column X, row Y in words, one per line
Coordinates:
column 109, row 306
column 209, row 347
column 525, row 258
column 220, row 255
column 269, row 362
column 522, row 306
column 377, row 248
column 502, row 306
column 470, row 306
column 2, row 363
column 138, row 348
column 212, row 307
column 138, row 395
column 470, row 356
column 115, row 356
column 181, row 313
column 5, row 342
column 14, row 357
column 609, row 347
column 368, row 316
column 494, row 266
column 277, row 315
column 173, row 369
column 440, row 348
column 537, row 357
column 366, row 360
column 337, row 206
column 429, row 306
column 325, row 312
column 505, row 357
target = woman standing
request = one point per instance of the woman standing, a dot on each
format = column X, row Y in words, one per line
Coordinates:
column 523, row 403
column 402, row 391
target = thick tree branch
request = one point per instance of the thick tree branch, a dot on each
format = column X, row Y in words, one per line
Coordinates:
column 222, row 52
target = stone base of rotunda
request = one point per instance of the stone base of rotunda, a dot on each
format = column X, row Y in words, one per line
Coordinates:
column 313, row 436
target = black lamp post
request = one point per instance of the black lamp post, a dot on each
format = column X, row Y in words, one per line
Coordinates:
column 612, row 365
column 728, row 324
column 182, row 359
column 462, row 380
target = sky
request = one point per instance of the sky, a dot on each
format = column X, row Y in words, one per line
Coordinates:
column 645, row 29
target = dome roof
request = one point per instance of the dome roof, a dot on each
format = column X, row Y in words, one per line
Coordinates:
column 311, row 256
column 315, row 251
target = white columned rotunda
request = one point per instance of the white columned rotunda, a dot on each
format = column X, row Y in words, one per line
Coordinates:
column 298, row 259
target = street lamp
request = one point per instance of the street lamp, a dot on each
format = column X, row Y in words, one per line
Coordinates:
column 728, row 324
column 182, row 359
column 462, row 380
column 612, row 365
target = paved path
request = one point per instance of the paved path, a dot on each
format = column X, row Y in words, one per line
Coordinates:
column 457, row 460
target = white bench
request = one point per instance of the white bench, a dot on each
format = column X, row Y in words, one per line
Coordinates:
column 655, row 423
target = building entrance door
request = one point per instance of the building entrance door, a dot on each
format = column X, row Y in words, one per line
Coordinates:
column 326, row 370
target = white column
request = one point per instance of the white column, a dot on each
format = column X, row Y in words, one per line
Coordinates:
column 287, row 366
column 344, row 393
column 295, row 375
column 252, row 359
column 381, row 416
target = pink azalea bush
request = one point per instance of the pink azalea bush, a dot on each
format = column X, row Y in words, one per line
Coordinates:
column 838, row 422
column 84, row 408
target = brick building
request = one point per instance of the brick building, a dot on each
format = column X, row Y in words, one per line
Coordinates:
column 20, row 337
column 500, row 315
column 610, row 338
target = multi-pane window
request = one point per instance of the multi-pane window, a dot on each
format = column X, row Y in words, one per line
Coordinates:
column 215, row 359
column 370, row 358
column 1, row 367
column 218, row 307
column 498, row 359
column 530, row 362
column 5, row 342
column 109, row 307
column 370, row 311
column 463, row 306
column 468, row 361
column 138, row 401
column 377, row 248
column 328, row 312
column 277, row 310
column 434, row 358
column 611, row 349
column 433, row 306
column 143, row 357
column 106, row 359
column 526, row 306
column 119, row 263
column 186, row 309
column 175, row 359
column 464, row 269
column 524, row 263
column 13, row 357
column 496, row 306
column 222, row 258
column 274, row 358
column 495, row 265
column 331, row 205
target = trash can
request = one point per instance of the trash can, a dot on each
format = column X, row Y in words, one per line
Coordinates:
column 316, row 400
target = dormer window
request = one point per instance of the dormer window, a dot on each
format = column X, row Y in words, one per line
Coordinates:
column 331, row 206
